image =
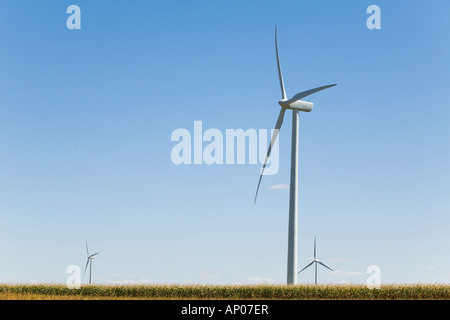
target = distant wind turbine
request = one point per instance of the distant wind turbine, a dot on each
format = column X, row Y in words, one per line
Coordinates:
column 296, row 105
column 89, row 262
column 316, row 261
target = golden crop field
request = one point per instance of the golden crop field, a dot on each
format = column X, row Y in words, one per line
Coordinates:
column 224, row 292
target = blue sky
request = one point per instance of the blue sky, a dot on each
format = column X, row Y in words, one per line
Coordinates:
column 86, row 118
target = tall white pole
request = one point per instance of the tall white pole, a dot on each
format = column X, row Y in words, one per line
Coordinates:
column 315, row 281
column 293, row 205
column 90, row 271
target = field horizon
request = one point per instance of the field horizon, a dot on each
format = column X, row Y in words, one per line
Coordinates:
column 225, row 292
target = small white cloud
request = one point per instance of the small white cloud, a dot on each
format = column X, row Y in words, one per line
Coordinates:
column 338, row 260
column 208, row 275
column 128, row 282
column 430, row 268
column 279, row 187
column 340, row 273
column 258, row 280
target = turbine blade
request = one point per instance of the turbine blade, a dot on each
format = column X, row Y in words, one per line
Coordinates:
column 94, row 254
column 280, row 76
column 325, row 266
column 306, row 267
column 85, row 268
column 272, row 142
column 87, row 250
column 303, row 94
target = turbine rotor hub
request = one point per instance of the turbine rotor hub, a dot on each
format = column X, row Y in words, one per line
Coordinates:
column 282, row 103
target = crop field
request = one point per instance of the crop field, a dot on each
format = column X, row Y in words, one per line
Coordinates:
column 224, row 292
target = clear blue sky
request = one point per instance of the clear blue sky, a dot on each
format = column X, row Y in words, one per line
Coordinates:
column 86, row 118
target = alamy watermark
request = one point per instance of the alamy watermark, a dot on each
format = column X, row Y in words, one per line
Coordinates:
column 374, row 20
column 236, row 146
column 74, row 20
column 74, row 279
column 374, row 280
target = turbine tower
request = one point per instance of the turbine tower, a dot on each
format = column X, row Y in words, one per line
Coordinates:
column 296, row 105
column 316, row 261
column 89, row 262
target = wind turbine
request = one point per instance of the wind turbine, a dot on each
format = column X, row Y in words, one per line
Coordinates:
column 89, row 262
column 316, row 261
column 296, row 105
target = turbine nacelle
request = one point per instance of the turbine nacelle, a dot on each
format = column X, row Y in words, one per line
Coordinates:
column 297, row 105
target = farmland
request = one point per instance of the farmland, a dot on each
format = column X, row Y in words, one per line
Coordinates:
column 224, row 292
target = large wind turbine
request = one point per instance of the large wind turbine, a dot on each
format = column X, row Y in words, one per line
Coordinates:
column 316, row 261
column 89, row 262
column 296, row 105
